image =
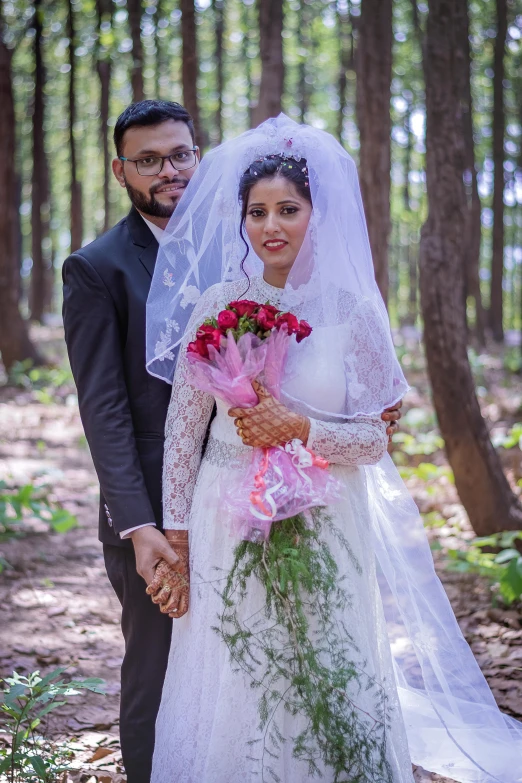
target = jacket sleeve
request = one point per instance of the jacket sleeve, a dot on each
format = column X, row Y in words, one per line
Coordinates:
column 95, row 345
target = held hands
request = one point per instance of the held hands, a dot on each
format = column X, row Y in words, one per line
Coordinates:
column 170, row 585
column 269, row 423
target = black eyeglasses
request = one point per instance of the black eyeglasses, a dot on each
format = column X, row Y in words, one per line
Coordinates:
column 149, row 166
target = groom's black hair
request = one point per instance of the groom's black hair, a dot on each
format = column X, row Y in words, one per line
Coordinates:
column 150, row 112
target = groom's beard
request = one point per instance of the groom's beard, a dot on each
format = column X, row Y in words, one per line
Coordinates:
column 149, row 205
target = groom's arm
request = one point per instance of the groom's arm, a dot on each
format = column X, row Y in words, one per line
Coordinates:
column 95, row 345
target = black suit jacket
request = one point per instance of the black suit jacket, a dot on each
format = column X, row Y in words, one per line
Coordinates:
column 123, row 408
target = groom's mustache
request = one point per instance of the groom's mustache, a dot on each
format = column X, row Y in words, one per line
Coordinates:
column 180, row 181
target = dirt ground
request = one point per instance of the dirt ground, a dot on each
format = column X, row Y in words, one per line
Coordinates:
column 57, row 607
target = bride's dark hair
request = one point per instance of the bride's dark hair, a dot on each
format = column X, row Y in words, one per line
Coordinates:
column 296, row 171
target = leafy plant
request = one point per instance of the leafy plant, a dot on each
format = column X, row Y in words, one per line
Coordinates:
column 47, row 383
column 425, row 443
column 503, row 567
column 300, row 656
column 15, row 503
column 511, row 439
column 31, row 757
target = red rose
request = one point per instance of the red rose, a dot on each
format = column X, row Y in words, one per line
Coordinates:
column 227, row 319
column 265, row 318
column 305, row 330
column 205, row 336
column 271, row 309
column 205, row 329
column 290, row 320
column 243, row 307
column 192, row 347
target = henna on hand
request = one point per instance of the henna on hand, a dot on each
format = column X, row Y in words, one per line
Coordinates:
column 269, row 423
column 170, row 587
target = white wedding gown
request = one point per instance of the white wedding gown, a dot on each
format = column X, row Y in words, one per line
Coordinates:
column 208, row 714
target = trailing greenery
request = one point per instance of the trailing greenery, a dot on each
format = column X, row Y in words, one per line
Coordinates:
column 17, row 502
column 301, row 658
column 30, row 756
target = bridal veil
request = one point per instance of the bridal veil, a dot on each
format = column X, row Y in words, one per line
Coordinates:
column 453, row 723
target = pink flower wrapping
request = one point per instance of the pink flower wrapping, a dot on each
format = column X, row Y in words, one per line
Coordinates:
column 280, row 481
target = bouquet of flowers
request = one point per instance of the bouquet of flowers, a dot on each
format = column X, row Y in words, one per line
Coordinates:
column 249, row 341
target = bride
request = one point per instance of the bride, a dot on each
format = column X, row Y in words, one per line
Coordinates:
column 276, row 216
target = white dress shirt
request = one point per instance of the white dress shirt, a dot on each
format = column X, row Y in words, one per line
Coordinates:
column 158, row 233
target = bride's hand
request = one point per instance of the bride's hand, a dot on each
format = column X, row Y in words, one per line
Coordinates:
column 269, row 423
column 170, row 587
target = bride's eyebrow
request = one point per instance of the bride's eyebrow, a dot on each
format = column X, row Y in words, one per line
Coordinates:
column 278, row 203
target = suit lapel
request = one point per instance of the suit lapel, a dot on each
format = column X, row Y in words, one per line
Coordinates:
column 144, row 240
column 148, row 256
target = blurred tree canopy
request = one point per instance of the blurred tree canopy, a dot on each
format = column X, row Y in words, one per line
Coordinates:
column 87, row 59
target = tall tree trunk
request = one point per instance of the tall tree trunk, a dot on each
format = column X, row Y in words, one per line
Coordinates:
column 219, row 30
column 158, row 64
column 134, row 8
column 481, row 484
column 190, row 66
column 304, row 52
column 346, row 60
column 473, row 226
column 15, row 344
column 247, row 62
column 499, row 124
column 272, row 64
column 76, row 188
column 374, row 72
column 103, row 65
column 41, row 288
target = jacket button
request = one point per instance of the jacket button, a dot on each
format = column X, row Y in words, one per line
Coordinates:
column 108, row 514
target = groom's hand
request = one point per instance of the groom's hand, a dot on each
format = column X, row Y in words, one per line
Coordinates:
column 170, row 587
column 150, row 547
column 391, row 416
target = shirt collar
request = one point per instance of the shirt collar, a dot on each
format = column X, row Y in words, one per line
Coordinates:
column 156, row 230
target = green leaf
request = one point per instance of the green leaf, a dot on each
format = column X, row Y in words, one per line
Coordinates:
column 506, row 555
column 62, row 521
column 39, row 766
column 49, row 708
column 14, row 693
column 510, row 584
column 5, row 764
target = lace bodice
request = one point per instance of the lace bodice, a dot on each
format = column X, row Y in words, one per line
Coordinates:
column 361, row 441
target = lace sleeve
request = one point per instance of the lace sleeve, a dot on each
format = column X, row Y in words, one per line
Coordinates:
column 187, row 421
column 361, row 441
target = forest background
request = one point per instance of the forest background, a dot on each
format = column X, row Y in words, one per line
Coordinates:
column 427, row 97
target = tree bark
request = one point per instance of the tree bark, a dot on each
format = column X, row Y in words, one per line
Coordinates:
column 246, row 25
column 76, row 188
column 134, row 8
column 219, row 30
column 104, row 10
column 15, row 344
column 481, row 484
column 269, row 104
column 499, row 125
column 473, row 227
column 41, row 288
column 374, row 72
column 190, row 66
column 346, row 61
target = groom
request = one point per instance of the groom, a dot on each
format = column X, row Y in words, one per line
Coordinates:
column 123, row 408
